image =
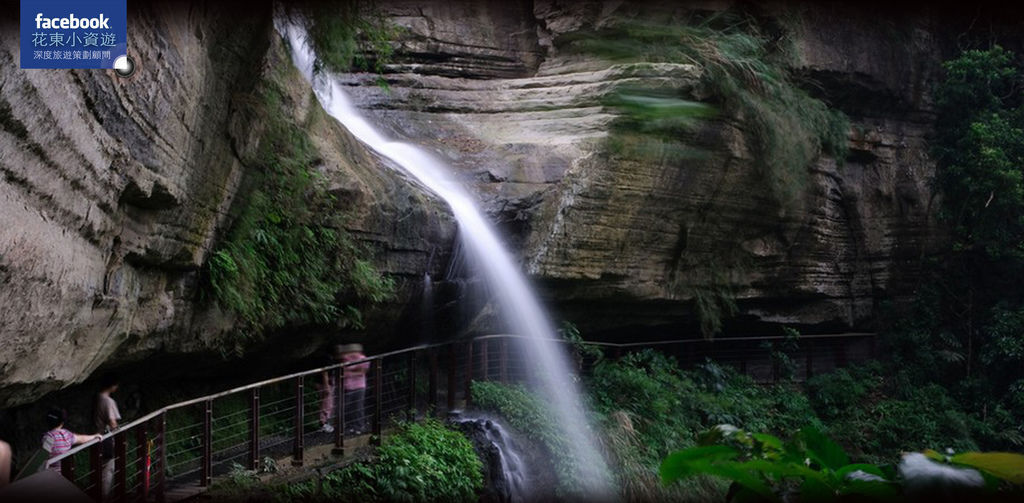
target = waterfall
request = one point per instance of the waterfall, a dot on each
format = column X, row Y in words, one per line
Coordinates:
column 486, row 256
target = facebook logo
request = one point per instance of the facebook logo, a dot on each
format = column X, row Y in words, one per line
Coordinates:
column 73, row 33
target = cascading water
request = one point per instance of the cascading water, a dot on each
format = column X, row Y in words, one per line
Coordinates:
column 506, row 464
column 518, row 306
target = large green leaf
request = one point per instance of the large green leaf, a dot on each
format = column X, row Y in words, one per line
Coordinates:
column 822, row 449
column 1004, row 465
column 686, row 462
column 735, row 472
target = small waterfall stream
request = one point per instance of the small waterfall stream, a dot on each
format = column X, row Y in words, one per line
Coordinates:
column 510, row 481
column 486, row 255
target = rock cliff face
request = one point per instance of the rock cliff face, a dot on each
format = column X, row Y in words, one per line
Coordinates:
column 114, row 191
column 620, row 246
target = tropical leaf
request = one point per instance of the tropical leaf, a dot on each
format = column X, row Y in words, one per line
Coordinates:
column 1004, row 465
column 822, row 449
column 686, row 462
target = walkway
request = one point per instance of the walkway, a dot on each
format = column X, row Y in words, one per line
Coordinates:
column 175, row 452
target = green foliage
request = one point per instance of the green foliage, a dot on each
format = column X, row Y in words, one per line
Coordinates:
column 287, row 259
column 877, row 419
column 424, row 461
column 964, row 332
column 812, row 468
column 651, row 407
column 979, row 150
column 349, row 35
column 744, row 66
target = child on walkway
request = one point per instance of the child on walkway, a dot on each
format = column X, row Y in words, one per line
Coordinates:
column 58, row 440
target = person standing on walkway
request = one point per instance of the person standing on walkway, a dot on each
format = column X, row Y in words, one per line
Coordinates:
column 327, row 393
column 106, row 418
column 58, row 440
column 354, row 386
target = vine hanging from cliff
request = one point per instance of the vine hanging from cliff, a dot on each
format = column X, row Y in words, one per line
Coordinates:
column 351, row 35
column 744, row 68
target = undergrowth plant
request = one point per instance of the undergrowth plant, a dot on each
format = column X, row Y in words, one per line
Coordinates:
column 287, row 258
column 424, row 461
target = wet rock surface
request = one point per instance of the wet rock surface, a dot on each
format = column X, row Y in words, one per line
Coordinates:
column 515, row 467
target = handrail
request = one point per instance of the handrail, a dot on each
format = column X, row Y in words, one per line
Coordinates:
column 163, row 410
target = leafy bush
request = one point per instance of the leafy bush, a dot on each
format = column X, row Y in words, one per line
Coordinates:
column 877, row 420
column 424, row 461
column 651, row 407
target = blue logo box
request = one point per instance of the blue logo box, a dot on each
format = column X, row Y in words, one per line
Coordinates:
column 73, row 33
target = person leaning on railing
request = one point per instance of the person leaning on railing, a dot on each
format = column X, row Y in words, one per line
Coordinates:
column 58, row 440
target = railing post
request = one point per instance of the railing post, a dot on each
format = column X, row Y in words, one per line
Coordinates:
column 339, row 406
column 503, row 360
column 120, row 466
column 67, row 468
column 484, row 370
column 161, row 429
column 432, row 384
column 96, row 465
column 206, row 463
column 141, row 450
column 378, row 384
column 469, row 373
column 412, row 386
column 453, row 361
column 254, row 429
column 299, row 413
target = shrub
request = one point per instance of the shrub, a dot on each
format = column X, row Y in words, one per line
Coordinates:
column 287, row 258
column 424, row 461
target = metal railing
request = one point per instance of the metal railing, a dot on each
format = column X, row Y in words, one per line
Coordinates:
column 183, row 446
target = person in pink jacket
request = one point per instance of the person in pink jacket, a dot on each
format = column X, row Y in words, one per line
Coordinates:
column 354, row 387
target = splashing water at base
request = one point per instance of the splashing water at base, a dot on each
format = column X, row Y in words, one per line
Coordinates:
column 518, row 306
